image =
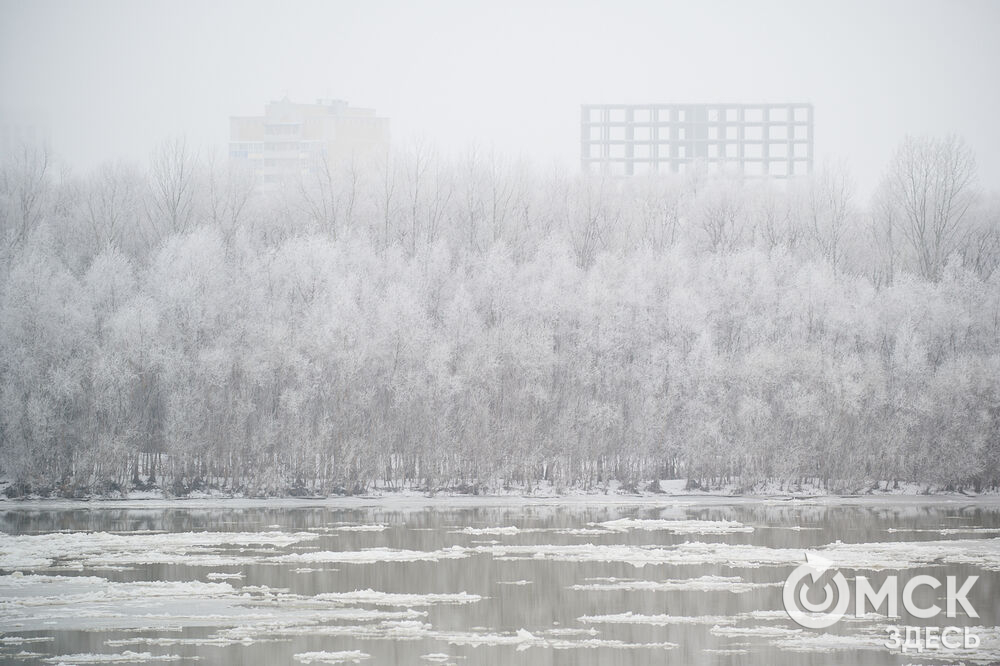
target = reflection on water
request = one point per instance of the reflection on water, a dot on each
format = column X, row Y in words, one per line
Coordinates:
column 515, row 584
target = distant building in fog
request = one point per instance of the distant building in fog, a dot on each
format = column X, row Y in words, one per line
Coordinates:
column 291, row 139
column 773, row 140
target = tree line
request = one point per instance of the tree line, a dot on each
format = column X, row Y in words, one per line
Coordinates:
column 475, row 322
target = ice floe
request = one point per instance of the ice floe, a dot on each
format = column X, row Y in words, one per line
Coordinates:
column 722, row 651
column 522, row 639
column 96, row 549
column 658, row 620
column 120, row 658
column 344, row 657
column 490, row 531
column 394, row 599
column 170, row 641
column 583, row 531
column 815, row 642
column 21, row 640
column 676, row 526
column 754, row 632
column 87, row 603
column 372, row 555
column 700, row 584
column 984, row 553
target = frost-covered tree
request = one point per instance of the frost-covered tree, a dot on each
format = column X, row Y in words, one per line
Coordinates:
column 932, row 184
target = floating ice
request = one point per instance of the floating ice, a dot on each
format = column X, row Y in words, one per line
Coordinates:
column 754, row 632
column 37, row 602
column 640, row 556
column 701, row 584
column 394, row 599
column 24, row 655
column 812, row 642
column 122, row 658
column 583, row 531
column 350, row 656
column 300, row 570
column 83, row 603
column 509, row 530
column 219, row 575
column 677, row 526
column 984, row 553
column 659, row 620
column 95, row 549
column 372, row 555
column 571, row 631
column 169, row 641
column 21, row 640
column 523, row 639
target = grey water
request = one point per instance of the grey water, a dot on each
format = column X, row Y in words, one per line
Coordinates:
column 162, row 583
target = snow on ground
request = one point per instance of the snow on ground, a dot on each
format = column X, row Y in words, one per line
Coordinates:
column 675, row 495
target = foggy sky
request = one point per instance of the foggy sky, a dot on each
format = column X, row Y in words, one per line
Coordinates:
column 114, row 78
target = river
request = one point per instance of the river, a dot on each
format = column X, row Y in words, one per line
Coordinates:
column 477, row 581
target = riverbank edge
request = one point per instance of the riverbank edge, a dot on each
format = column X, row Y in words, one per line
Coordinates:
column 671, row 492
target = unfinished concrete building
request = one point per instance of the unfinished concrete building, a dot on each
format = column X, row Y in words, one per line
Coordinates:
column 766, row 140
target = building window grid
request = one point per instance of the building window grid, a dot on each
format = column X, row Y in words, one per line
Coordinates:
column 680, row 134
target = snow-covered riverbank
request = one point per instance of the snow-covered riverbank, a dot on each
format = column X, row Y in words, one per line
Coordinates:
column 673, row 492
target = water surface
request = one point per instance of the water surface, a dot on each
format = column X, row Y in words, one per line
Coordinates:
column 671, row 581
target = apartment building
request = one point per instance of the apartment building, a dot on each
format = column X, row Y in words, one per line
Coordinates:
column 292, row 139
